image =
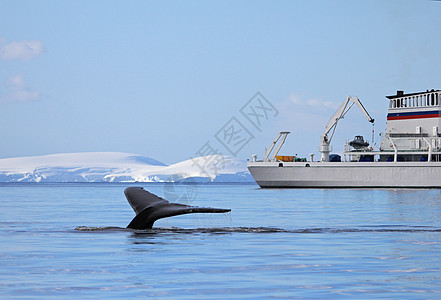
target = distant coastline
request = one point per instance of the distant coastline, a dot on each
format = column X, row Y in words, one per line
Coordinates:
column 117, row 167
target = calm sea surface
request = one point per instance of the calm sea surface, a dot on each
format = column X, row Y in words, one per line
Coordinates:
column 67, row 240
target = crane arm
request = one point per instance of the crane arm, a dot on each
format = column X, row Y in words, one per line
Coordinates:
column 361, row 107
column 340, row 113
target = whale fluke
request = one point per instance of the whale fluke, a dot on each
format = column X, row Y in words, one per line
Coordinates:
column 149, row 208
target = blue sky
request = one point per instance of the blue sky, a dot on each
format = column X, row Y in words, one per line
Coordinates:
column 161, row 78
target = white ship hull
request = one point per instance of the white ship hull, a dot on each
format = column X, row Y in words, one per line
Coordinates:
column 346, row 174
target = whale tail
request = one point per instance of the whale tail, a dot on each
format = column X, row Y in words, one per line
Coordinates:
column 149, row 208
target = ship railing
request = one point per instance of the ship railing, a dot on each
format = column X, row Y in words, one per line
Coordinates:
column 429, row 157
column 425, row 99
column 408, row 135
column 395, row 149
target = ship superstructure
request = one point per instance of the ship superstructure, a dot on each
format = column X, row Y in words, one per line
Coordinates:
column 412, row 128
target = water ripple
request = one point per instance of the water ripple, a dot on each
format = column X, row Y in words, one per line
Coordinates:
column 259, row 230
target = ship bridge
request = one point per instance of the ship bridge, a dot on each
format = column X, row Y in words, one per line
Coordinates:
column 413, row 126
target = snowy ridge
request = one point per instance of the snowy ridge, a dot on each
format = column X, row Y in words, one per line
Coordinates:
column 120, row 167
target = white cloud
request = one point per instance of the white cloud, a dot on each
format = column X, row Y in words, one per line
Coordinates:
column 21, row 50
column 317, row 102
column 18, row 91
column 299, row 100
column 295, row 98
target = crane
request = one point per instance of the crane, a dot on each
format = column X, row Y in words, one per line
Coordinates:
column 282, row 134
column 332, row 124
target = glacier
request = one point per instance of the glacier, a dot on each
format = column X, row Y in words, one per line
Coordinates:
column 121, row 167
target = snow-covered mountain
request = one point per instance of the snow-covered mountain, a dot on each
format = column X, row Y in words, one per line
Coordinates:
column 120, row 167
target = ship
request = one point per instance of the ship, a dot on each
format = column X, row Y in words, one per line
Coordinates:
column 409, row 155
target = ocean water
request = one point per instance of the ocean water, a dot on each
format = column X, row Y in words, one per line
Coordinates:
column 69, row 241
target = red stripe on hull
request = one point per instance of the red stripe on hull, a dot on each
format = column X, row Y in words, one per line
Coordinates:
column 414, row 117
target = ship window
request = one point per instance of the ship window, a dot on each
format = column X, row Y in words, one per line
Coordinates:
column 433, row 99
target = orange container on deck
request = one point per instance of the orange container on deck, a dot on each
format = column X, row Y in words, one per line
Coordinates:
column 285, row 158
